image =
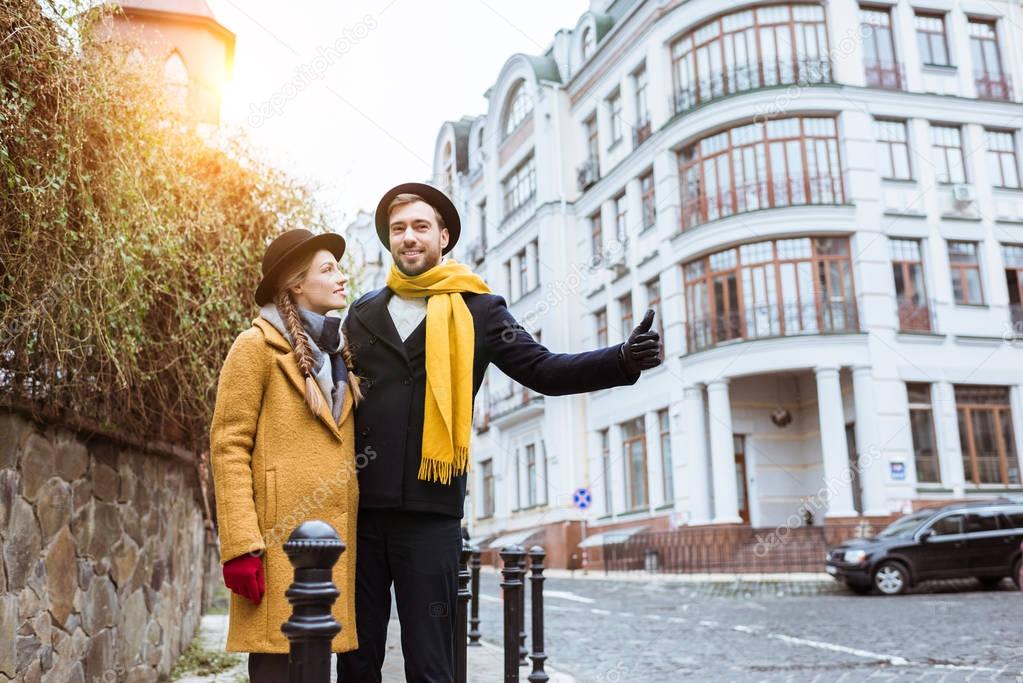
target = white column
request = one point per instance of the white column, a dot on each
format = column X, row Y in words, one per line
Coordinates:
column 834, row 449
column 698, row 478
column 615, row 471
column 871, row 464
column 516, row 289
column 722, row 449
column 946, row 427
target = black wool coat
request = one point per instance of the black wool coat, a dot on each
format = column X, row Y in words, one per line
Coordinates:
column 389, row 420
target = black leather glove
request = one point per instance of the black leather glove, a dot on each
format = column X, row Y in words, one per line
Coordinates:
column 642, row 350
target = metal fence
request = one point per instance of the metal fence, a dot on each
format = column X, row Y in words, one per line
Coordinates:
column 728, row 549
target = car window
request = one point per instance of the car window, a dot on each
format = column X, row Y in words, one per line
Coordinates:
column 952, row 524
column 905, row 525
column 1012, row 520
column 981, row 521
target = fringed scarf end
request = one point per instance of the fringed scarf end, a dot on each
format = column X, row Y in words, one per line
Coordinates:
column 432, row 469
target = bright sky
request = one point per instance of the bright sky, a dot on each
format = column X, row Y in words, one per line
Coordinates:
column 351, row 95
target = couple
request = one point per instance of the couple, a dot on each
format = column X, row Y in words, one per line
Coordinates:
column 304, row 400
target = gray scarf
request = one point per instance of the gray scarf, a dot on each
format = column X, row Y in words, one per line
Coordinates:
column 326, row 342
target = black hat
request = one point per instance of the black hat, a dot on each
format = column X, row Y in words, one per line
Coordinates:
column 283, row 251
column 432, row 196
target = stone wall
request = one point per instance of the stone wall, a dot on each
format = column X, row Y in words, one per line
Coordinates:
column 103, row 557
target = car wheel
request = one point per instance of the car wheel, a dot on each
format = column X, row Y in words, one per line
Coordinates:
column 891, row 578
column 990, row 581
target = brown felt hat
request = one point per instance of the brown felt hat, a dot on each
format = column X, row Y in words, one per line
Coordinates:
column 287, row 247
column 432, row 196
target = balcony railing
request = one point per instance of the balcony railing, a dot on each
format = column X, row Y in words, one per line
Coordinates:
column 887, row 75
column 772, row 320
column 762, row 194
column 740, row 78
column 915, row 316
column 520, row 397
column 992, row 86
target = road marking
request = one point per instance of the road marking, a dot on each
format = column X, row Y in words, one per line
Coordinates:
column 565, row 595
column 821, row 645
column 708, row 623
column 489, row 598
column 599, row 611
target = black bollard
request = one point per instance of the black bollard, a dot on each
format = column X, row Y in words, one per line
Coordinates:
column 511, row 588
column 536, row 557
column 462, row 613
column 523, row 651
column 474, row 615
column 313, row 549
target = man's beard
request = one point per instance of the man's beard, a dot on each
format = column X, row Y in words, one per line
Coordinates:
column 418, row 270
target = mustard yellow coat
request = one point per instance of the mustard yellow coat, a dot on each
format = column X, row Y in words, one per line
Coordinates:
column 276, row 465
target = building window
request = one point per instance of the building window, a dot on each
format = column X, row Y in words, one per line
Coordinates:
column 523, row 273
column 520, row 186
column 964, row 267
column 506, row 277
column 748, row 49
column 910, row 290
column 634, row 450
column 782, row 162
column 487, row 476
column 596, row 235
column 600, row 318
column 530, row 475
column 769, row 289
column 988, row 76
column 621, row 214
column 646, row 187
column 593, row 144
column 921, row 422
column 947, row 152
column 642, row 129
column 605, row 469
column 176, row 81
column 1002, row 163
column 614, row 108
column 589, row 43
column 893, row 153
column 625, row 310
column 931, row 39
column 520, row 104
column 986, row 435
column 667, row 468
column 879, row 62
column 653, row 300
column 1012, row 257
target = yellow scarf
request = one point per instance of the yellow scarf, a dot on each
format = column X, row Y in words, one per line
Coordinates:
column 450, row 338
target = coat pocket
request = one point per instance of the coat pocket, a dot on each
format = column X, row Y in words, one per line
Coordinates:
column 270, row 503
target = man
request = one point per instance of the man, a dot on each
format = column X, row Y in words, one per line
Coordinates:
column 422, row 344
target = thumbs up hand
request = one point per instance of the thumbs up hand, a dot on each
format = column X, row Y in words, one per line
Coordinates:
column 642, row 350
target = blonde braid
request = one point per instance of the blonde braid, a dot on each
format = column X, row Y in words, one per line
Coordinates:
column 286, row 305
column 353, row 380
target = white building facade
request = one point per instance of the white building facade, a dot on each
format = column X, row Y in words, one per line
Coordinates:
column 821, row 201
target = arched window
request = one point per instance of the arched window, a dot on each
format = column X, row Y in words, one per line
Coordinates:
column 175, row 77
column 589, row 43
column 520, row 104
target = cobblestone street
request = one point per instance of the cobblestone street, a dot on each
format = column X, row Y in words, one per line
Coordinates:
column 613, row 631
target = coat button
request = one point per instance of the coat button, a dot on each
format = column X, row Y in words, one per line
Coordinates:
column 373, row 339
column 365, row 431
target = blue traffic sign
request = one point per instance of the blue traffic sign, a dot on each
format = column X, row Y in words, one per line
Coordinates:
column 582, row 498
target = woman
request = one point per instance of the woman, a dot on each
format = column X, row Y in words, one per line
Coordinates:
column 282, row 446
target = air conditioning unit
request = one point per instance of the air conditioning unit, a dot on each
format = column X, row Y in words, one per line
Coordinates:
column 586, row 174
column 963, row 193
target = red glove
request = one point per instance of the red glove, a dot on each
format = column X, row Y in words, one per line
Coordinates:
column 244, row 576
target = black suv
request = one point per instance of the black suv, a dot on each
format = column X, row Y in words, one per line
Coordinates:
column 956, row 541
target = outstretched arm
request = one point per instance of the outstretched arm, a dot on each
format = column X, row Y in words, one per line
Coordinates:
column 531, row 364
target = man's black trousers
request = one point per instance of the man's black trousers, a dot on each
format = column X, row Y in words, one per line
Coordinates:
column 418, row 552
